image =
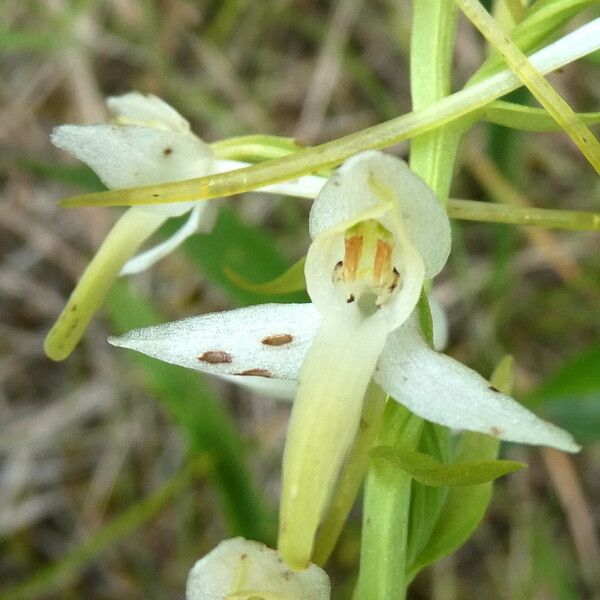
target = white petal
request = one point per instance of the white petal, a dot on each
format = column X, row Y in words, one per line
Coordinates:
column 440, row 389
column 307, row 186
column 239, row 568
column 146, row 259
column 351, row 192
column 269, row 340
column 148, row 110
column 131, row 155
column 280, row 389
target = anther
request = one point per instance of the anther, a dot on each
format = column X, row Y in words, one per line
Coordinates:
column 353, row 250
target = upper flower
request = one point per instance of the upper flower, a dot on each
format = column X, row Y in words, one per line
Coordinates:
column 263, row 347
column 377, row 232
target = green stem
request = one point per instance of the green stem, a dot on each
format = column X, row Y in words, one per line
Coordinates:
column 432, row 43
column 472, row 210
column 386, row 520
column 133, row 228
column 386, row 513
column 352, row 475
column 335, row 152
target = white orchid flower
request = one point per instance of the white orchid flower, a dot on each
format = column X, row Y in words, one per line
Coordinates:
column 147, row 142
column 377, row 232
column 238, row 569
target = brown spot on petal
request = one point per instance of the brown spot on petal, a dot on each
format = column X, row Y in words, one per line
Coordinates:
column 277, row 339
column 215, row 357
column 287, row 575
column 494, row 389
column 256, row 373
column 495, row 431
column 243, row 556
column 168, row 151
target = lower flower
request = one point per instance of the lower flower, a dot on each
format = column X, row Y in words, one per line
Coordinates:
column 245, row 570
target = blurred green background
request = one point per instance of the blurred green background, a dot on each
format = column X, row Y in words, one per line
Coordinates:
column 117, row 472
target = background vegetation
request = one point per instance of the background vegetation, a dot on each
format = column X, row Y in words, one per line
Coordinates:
column 117, row 472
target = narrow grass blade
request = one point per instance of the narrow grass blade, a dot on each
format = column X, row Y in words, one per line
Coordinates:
column 66, row 570
column 534, row 80
column 527, row 118
column 579, row 43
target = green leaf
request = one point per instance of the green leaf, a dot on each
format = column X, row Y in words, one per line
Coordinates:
column 428, row 471
column 571, row 396
column 425, row 318
column 554, row 568
column 292, row 280
column 240, row 248
column 578, row 376
column 199, row 415
column 426, row 502
column 29, row 41
column 579, row 414
column 527, row 118
column 464, row 506
column 503, row 376
column 593, row 58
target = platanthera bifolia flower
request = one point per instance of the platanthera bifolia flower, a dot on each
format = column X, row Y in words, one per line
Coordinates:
column 240, row 569
column 147, row 142
column 377, row 232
